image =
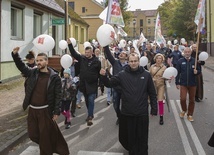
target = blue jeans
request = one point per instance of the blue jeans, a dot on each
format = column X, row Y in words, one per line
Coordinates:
column 108, row 94
column 89, row 100
column 116, row 101
column 79, row 95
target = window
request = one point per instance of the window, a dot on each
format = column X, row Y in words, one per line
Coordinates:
column 16, row 23
column 82, row 35
column 76, row 33
column 141, row 22
column 154, row 21
column 37, row 24
column 149, row 21
column 71, row 4
column 141, row 30
column 83, row 10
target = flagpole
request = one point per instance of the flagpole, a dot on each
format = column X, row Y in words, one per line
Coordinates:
column 198, row 37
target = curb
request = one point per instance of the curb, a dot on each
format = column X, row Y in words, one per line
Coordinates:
column 13, row 142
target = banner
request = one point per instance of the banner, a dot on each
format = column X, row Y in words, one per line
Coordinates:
column 200, row 15
column 121, row 32
column 114, row 14
column 158, row 35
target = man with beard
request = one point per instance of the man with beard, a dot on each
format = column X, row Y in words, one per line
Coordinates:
column 199, row 88
column 42, row 95
column 136, row 86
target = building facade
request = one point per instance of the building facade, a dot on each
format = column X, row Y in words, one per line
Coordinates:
column 22, row 21
column 210, row 27
column 143, row 21
column 89, row 10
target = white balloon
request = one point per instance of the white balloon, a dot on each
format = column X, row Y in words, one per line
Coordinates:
column 44, row 43
column 175, row 41
column 63, row 44
column 143, row 61
column 93, row 41
column 170, row 72
column 66, row 61
column 73, row 41
column 203, row 56
column 105, row 34
column 183, row 41
column 86, row 44
column 169, row 42
column 129, row 42
column 122, row 43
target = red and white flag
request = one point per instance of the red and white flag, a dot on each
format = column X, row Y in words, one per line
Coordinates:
column 114, row 14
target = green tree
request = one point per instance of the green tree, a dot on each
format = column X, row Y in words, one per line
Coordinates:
column 178, row 18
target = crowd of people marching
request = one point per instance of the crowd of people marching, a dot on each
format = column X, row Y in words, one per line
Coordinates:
column 130, row 87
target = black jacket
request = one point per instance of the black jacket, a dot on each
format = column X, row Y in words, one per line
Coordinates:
column 89, row 74
column 54, row 85
column 136, row 87
column 116, row 65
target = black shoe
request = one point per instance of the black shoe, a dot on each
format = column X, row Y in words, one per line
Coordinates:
column 108, row 103
column 197, row 100
column 117, row 122
column 89, row 121
column 68, row 125
column 73, row 114
column 161, row 120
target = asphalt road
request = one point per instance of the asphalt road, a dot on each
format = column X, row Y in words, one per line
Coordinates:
column 176, row 137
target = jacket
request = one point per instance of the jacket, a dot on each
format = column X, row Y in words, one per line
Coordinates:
column 116, row 65
column 186, row 76
column 89, row 74
column 54, row 86
column 136, row 87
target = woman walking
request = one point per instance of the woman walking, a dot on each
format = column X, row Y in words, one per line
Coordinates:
column 156, row 71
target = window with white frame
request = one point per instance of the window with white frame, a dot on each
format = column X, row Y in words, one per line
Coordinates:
column 16, row 22
column 37, row 24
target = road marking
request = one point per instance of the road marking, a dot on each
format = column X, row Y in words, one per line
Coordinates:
column 181, row 130
column 97, row 153
column 34, row 150
column 193, row 134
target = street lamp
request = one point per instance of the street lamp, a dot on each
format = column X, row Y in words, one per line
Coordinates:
column 134, row 23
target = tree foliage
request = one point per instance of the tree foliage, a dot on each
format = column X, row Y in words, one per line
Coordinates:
column 177, row 17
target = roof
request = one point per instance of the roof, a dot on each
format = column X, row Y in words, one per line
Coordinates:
column 97, row 3
column 147, row 13
column 51, row 4
column 58, row 6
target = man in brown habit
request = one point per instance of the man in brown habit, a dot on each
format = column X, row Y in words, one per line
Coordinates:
column 43, row 95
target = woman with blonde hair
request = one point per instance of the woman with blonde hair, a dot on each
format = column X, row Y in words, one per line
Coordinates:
column 156, row 71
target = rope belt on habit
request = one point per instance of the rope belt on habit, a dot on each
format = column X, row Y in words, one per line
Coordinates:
column 39, row 107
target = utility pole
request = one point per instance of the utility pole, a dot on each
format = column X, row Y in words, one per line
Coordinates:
column 66, row 21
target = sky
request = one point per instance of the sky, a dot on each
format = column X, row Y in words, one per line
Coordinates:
column 142, row 4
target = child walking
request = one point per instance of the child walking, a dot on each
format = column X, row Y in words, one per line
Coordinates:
column 68, row 94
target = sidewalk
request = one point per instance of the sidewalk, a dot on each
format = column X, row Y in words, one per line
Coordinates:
column 13, row 126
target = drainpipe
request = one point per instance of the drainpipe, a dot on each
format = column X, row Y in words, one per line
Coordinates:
column 0, row 40
column 210, row 27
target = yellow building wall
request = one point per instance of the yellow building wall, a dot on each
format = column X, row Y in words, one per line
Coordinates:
column 210, row 27
column 91, row 16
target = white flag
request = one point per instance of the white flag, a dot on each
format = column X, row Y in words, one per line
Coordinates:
column 200, row 14
column 121, row 32
column 158, row 35
column 114, row 14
